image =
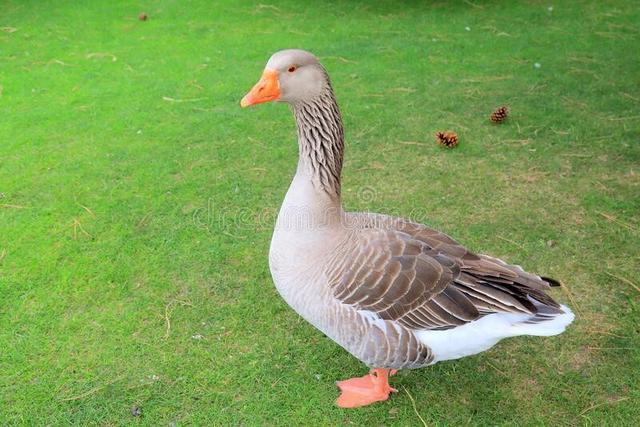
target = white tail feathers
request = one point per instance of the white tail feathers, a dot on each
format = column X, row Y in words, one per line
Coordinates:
column 553, row 326
column 482, row 334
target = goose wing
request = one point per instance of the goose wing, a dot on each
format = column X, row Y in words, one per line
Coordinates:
column 400, row 278
column 423, row 279
column 490, row 283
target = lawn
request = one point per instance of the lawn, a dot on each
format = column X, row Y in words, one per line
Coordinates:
column 137, row 201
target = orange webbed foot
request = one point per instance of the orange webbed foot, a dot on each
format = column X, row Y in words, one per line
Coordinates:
column 371, row 388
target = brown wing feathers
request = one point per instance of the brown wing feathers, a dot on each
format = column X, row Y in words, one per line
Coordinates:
column 402, row 279
column 490, row 277
column 425, row 280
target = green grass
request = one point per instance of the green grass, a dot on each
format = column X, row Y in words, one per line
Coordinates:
column 122, row 208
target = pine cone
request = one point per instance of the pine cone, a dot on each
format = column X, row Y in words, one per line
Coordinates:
column 500, row 115
column 447, row 139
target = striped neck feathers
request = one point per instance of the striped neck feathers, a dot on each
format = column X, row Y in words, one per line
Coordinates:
column 320, row 141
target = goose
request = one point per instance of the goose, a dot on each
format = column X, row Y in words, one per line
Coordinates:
column 393, row 293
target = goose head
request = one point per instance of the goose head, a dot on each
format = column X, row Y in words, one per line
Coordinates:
column 292, row 76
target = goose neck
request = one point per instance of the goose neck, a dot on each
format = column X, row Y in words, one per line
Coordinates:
column 320, row 143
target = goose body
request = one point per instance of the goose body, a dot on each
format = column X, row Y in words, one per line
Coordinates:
column 395, row 294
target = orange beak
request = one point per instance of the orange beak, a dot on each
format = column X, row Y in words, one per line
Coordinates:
column 267, row 89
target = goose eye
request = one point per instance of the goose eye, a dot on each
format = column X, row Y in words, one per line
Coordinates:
column 292, row 69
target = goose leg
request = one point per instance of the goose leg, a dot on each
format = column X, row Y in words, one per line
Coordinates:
column 361, row 391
